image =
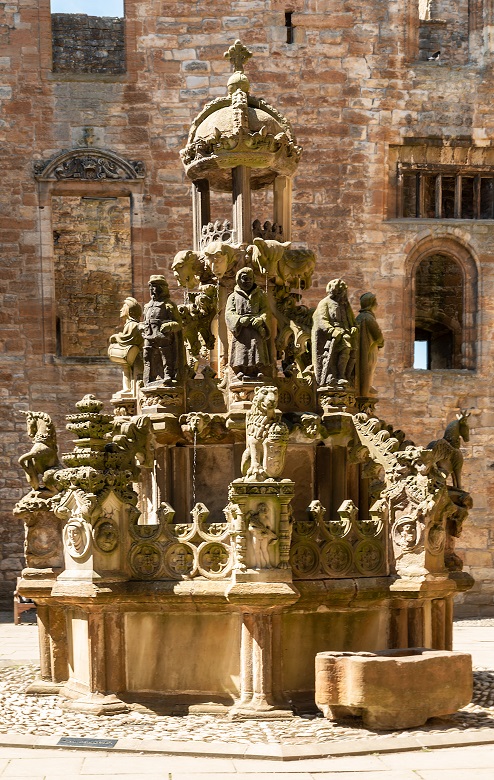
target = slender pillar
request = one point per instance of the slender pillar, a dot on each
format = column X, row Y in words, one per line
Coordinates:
column 260, row 685
column 338, row 478
column 282, row 205
column 96, row 641
column 398, row 628
column 448, row 623
column 114, row 640
column 242, row 220
column 415, row 626
column 42, row 616
column 58, row 645
column 201, row 209
column 438, row 624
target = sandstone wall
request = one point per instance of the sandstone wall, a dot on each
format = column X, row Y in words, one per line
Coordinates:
column 355, row 88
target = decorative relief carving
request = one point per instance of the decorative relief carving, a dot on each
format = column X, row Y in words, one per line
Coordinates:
column 217, row 231
column 76, row 538
column 105, row 535
column 146, row 560
column 90, row 165
column 337, row 547
column 183, row 550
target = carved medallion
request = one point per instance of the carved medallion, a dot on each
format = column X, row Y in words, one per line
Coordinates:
column 406, row 534
column 197, row 401
column 303, row 399
column 106, row 536
column 145, row 560
column 304, row 559
column 336, row 558
column 436, row 538
column 179, row 560
column 213, row 560
column 76, row 539
column 369, row 557
column 42, row 541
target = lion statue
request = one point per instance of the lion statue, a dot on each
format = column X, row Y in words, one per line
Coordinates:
column 266, row 437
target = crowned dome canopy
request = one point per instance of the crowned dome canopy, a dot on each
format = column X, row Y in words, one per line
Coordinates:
column 239, row 129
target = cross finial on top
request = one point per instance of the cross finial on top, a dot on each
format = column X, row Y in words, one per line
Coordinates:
column 238, row 55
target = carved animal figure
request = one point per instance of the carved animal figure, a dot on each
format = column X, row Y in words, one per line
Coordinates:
column 43, row 455
column 288, row 267
column 262, row 421
column 197, row 316
column 446, row 451
column 189, row 269
column 134, row 442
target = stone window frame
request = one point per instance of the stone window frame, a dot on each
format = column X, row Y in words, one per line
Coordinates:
column 48, row 186
column 130, row 41
column 458, row 173
column 465, row 257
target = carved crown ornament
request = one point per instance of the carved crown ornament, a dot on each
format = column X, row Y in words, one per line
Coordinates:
column 89, row 164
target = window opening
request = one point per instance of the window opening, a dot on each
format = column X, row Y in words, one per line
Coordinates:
column 438, row 340
column 289, row 27
column 421, row 349
column 93, row 271
column 435, row 192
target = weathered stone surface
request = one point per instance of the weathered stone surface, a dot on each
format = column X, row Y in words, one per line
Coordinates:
column 87, row 44
column 356, row 93
column 393, row 689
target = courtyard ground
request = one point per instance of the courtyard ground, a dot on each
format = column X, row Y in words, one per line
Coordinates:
column 148, row 746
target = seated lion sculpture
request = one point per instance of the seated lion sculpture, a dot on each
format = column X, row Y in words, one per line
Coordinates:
column 266, row 437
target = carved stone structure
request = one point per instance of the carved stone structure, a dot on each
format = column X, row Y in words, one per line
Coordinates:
column 252, row 512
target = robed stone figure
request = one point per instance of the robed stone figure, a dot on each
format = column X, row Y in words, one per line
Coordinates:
column 371, row 340
column 247, row 318
column 334, row 337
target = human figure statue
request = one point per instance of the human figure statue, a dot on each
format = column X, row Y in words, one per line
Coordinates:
column 162, row 331
column 125, row 348
column 334, row 338
column 371, row 340
column 247, row 317
column 261, row 535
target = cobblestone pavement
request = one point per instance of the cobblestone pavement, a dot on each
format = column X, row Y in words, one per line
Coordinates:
column 41, row 715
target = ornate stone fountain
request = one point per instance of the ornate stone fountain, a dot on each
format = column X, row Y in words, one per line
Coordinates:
column 242, row 508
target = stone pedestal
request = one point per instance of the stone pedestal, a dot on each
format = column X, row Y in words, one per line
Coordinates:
column 338, row 398
column 158, row 397
column 262, row 529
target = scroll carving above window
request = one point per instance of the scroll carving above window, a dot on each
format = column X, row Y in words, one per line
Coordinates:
column 89, row 164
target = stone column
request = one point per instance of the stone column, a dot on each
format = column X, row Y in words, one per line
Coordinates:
column 201, row 210
column 282, row 205
column 242, row 220
column 258, row 658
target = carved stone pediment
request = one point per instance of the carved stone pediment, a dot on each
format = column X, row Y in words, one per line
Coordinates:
column 89, row 164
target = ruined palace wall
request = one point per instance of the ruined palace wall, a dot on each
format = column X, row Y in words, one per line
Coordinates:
column 353, row 86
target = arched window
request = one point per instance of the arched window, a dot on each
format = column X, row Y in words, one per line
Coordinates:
column 439, row 316
column 442, row 289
